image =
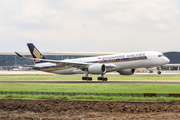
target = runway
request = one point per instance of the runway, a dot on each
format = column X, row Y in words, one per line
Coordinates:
column 106, row 82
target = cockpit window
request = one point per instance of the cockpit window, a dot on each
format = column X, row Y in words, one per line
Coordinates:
column 160, row 55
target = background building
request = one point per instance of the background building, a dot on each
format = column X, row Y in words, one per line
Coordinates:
column 174, row 61
column 10, row 61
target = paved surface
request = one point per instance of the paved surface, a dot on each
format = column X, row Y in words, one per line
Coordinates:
column 22, row 72
column 40, row 72
column 107, row 82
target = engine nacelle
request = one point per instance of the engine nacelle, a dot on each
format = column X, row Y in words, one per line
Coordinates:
column 97, row 69
column 126, row 72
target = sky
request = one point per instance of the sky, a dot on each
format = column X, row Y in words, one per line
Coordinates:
column 90, row 25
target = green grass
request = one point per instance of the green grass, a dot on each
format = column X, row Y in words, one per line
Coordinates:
column 78, row 77
column 90, row 98
column 92, row 88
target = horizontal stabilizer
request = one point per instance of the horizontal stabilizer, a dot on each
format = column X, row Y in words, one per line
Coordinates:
column 18, row 54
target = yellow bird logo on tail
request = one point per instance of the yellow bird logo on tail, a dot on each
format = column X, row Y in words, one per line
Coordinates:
column 37, row 54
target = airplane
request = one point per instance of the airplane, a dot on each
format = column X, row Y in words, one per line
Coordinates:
column 124, row 64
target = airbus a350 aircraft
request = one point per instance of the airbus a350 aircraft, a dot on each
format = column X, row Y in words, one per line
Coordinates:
column 124, row 64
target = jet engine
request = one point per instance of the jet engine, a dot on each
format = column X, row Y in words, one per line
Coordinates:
column 126, row 72
column 97, row 69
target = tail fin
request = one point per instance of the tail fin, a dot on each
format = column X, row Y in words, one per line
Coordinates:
column 35, row 53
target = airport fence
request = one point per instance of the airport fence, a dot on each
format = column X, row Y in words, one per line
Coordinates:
column 94, row 94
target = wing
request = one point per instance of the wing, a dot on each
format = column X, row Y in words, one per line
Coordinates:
column 80, row 65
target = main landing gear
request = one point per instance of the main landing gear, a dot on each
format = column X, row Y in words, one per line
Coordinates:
column 86, row 77
column 90, row 78
column 102, row 78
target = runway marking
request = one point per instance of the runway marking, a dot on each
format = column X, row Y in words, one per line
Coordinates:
column 81, row 82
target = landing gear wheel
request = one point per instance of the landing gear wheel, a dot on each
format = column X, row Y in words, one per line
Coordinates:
column 105, row 79
column 102, row 78
column 87, row 78
column 159, row 72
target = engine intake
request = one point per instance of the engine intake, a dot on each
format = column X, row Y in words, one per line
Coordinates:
column 126, row 72
column 97, row 69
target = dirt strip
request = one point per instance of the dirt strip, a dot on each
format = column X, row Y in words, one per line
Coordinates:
column 61, row 109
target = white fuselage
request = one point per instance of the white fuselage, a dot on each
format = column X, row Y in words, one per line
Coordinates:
column 119, row 62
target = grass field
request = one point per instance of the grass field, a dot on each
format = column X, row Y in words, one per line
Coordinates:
column 169, row 77
column 90, row 98
column 91, row 88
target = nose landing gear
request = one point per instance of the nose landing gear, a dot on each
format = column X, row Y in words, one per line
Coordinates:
column 159, row 70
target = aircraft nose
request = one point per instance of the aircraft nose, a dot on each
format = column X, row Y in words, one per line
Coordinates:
column 167, row 60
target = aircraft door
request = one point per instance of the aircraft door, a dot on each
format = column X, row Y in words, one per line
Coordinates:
column 146, row 62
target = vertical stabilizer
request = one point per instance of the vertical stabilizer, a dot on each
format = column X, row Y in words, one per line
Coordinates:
column 35, row 53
